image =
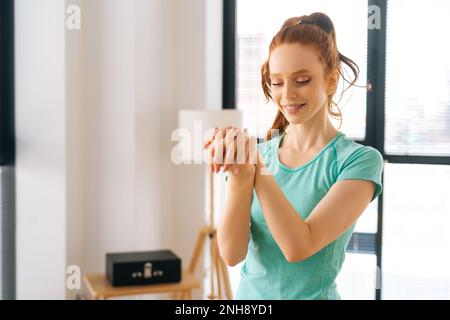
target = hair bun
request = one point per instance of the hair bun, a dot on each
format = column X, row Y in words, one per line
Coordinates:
column 322, row 20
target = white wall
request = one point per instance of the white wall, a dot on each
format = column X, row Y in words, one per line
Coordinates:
column 75, row 74
column 214, row 47
column 127, row 183
column 95, row 110
column 41, row 149
column 197, row 85
column 110, row 204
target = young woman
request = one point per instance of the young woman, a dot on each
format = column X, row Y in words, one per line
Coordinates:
column 290, row 214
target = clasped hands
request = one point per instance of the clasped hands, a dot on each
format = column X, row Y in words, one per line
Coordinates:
column 233, row 150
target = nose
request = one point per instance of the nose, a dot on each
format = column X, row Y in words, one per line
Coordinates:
column 289, row 92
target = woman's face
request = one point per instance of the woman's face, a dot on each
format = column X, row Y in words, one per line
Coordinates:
column 298, row 84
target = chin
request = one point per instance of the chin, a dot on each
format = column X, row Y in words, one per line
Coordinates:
column 294, row 120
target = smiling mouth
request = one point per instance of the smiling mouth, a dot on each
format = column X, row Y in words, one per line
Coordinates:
column 293, row 108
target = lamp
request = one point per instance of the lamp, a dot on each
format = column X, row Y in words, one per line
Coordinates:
column 195, row 123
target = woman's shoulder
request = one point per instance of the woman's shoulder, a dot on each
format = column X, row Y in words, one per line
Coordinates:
column 348, row 151
column 359, row 162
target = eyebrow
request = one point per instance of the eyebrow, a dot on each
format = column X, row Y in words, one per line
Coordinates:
column 296, row 72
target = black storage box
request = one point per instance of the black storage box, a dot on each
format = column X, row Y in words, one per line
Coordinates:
column 145, row 267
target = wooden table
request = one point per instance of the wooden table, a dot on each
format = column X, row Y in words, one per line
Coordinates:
column 100, row 288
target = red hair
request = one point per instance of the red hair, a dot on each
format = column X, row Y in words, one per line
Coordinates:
column 316, row 30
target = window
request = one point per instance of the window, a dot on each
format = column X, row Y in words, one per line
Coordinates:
column 253, row 36
column 358, row 277
column 416, row 241
column 416, row 212
column 417, row 105
column 400, row 248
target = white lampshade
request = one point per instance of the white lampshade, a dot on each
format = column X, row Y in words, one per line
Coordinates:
column 197, row 125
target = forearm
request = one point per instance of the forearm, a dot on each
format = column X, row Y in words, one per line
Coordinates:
column 233, row 231
column 288, row 229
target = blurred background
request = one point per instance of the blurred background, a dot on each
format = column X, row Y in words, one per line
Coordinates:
column 90, row 94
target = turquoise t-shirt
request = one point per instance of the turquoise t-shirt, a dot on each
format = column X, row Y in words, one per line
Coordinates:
column 266, row 274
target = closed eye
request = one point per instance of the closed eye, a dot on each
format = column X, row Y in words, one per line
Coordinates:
column 298, row 82
column 303, row 82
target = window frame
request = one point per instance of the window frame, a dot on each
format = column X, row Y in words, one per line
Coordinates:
column 7, row 153
column 7, row 83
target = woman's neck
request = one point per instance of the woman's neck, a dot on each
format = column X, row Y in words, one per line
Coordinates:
column 309, row 136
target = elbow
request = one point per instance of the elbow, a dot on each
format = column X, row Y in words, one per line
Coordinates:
column 294, row 259
column 231, row 260
column 232, row 263
column 297, row 256
column 299, row 253
column 231, row 253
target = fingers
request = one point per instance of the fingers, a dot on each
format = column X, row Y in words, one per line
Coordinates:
column 218, row 153
column 245, row 145
column 241, row 155
column 211, row 158
column 252, row 150
column 229, row 148
column 221, row 141
column 212, row 145
column 242, row 147
column 239, row 148
column 208, row 142
column 216, row 130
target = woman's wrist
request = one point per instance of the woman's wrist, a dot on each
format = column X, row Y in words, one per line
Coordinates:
column 261, row 170
column 245, row 173
column 260, row 165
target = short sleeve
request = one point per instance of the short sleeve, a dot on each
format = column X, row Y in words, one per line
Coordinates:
column 366, row 163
